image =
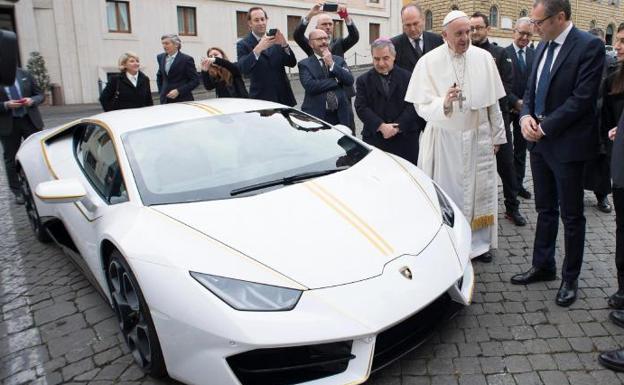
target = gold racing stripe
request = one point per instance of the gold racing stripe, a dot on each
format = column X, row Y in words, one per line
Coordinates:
column 208, row 109
column 348, row 215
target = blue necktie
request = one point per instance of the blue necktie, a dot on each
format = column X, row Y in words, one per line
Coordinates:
column 521, row 62
column 15, row 95
column 544, row 80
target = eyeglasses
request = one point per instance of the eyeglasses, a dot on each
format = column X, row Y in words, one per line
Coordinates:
column 524, row 34
column 477, row 28
column 540, row 22
column 321, row 38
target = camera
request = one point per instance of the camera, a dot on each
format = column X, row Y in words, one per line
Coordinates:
column 272, row 32
column 330, row 7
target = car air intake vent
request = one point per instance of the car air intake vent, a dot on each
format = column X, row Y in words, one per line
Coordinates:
column 291, row 365
column 402, row 338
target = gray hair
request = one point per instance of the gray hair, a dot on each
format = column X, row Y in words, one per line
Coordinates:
column 522, row 20
column 383, row 43
column 553, row 7
column 123, row 59
column 174, row 38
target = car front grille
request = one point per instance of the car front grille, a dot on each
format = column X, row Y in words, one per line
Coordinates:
column 291, row 365
column 412, row 332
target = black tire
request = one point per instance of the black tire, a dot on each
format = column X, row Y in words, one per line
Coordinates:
column 36, row 224
column 134, row 317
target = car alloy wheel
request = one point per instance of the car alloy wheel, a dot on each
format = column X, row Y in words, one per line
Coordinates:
column 134, row 318
column 31, row 210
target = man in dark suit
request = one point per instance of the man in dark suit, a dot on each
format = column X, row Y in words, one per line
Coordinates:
column 390, row 123
column 521, row 63
column 19, row 118
column 558, row 119
column 479, row 31
column 337, row 46
column 177, row 76
column 263, row 57
column 324, row 77
column 413, row 42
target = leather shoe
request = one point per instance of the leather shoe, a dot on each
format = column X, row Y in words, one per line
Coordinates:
column 485, row 257
column 533, row 275
column 616, row 301
column 603, row 205
column 567, row 293
column 617, row 317
column 613, row 360
column 524, row 193
column 19, row 199
column 516, row 218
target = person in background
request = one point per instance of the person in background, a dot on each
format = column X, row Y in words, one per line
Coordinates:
column 221, row 75
column 129, row 89
column 19, row 118
column 177, row 76
column 390, row 123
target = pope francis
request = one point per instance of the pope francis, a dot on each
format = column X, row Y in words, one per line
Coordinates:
column 456, row 88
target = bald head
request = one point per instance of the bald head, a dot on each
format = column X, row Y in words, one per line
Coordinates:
column 325, row 23
column 412, row 20
column 319, row 41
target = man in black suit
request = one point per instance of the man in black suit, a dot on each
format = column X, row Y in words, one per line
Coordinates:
column 263, row 57
column 479, row 30
column 177, row 76
column 558, row 119
column 19, row 118
column 390, row 123
column 337, row 46
column 521, row 63
column 413, row 42
column 324, row 78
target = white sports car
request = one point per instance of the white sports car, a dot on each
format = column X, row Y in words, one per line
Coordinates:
column 244, row 242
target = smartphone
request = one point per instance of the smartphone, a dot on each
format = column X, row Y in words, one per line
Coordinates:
column 330, row 7
column 22, row 100
column 272, row 32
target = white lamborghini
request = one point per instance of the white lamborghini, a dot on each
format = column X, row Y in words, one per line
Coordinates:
column 244, row 242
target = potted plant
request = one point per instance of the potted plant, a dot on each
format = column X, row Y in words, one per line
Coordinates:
column 37, row 68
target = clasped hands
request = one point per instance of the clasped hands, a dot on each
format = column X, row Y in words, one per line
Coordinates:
column 531, row 130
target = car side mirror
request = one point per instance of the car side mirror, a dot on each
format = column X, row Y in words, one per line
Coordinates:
column 344, row 129
column 60, row 191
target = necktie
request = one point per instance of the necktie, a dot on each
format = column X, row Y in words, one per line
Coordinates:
column 15, row 95
column 330, row 96
column 168, row 63
column 417, row 47
column 544, row 80
column 521, row 61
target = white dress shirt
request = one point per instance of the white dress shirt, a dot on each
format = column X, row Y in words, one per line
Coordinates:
column 559, row 40
column 133, row 78
column 421, row 44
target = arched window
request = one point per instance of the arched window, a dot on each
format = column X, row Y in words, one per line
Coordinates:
column 609, row 34
column 428, row 20
column 524, row 13
column 494, row 16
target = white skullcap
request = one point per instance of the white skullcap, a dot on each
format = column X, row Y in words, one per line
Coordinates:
column 453, row 15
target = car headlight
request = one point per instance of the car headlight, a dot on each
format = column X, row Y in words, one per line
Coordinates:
column 448, row 215
column 249, row 296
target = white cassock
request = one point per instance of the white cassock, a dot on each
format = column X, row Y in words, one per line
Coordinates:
column 456, row 151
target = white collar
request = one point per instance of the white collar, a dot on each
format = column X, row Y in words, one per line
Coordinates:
column 172, row 56
column 130, row 77
column 256, row 36
column 516, row 48
column 563, row 35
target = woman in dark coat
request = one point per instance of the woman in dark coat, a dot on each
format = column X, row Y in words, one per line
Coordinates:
column 129, row 89
column 222, row 75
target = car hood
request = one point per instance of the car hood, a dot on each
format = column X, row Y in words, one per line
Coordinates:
column 327, row 231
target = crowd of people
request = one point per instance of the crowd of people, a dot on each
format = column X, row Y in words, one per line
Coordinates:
column 459, row 106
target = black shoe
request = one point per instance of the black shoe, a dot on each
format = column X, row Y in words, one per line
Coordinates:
column 524, row 193
column 516, row 218
column 485, row 257
column 567, row 293
column 617, row 317
column 616, row 301
column 603, row 205
column 533, row 275
column 613, row 360
column 19, row 199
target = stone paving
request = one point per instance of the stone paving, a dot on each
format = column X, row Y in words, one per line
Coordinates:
column 55, row 328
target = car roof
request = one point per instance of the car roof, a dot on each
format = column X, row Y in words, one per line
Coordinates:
column 122, row 121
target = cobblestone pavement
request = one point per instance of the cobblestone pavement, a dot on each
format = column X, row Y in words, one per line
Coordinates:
column 55, row 328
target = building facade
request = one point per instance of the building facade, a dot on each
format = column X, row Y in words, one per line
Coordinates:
column 81, row 40
column 586, row 14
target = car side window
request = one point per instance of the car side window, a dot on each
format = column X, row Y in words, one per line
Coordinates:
column 96, row 155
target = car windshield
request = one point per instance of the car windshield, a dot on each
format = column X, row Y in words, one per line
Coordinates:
column 236, row 155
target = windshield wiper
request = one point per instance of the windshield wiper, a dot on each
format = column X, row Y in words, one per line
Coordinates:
column 286, row 180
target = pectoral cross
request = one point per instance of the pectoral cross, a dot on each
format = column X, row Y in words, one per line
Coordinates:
column 460, row 101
